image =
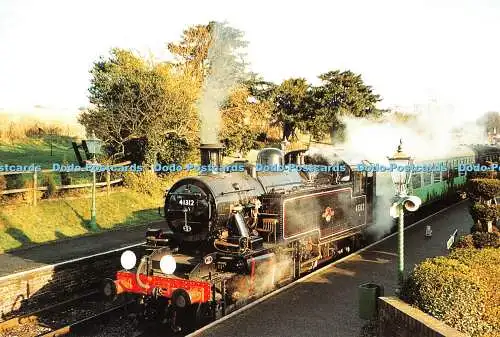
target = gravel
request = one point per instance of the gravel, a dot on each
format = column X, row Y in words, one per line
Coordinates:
column 54, row 319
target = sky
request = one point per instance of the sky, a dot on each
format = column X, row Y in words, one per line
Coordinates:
column 410, row 52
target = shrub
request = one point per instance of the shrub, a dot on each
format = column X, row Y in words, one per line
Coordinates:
column 484, row 212
column 465, row 241
column 479, row 240
column 486, row 240
column 492, row 174
column 261, row 137
column 483, row 188
column 15, row 181
column 146, row 182
column 3, row 183
column 50, row 183
column 459, row 289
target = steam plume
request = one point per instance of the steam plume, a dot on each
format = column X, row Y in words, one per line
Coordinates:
column 225, row 71
column 435, row 132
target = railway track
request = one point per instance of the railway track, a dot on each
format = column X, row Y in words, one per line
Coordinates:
column 62, row 318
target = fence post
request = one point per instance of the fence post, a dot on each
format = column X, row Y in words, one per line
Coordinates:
column 108, row 178
column 34, row 187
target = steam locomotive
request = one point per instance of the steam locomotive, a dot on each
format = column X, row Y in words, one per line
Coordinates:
column 231, row 236
column 234, row 236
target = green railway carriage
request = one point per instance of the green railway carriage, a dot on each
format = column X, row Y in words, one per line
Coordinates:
column 443, row 178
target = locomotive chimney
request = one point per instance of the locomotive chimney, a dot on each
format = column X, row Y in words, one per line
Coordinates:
column 211, row 154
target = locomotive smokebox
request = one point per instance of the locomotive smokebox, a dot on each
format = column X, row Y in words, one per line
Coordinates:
column 211, row 154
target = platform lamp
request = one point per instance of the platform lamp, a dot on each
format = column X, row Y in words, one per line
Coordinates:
column 94, row 146
column 401, row 170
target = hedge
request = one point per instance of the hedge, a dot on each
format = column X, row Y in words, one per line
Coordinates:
column 459, row 290
column 479, row 240
column 483, row 188
column 483, row 212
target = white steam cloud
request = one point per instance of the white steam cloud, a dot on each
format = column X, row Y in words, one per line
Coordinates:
column 225, row 72
column 432, row 133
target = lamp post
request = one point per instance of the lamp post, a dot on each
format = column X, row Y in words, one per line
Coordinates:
column 401, row 171
column 94, row 147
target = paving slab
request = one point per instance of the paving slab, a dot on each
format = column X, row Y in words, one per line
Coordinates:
column 326, row 304
column 71, row 248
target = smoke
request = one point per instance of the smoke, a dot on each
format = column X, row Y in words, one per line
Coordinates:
column 267, row 275
column 225, row 72
column 427, row 135
column 432, row 132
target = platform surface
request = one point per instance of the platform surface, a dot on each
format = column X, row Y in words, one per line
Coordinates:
column 72, row 248
column 327, row 303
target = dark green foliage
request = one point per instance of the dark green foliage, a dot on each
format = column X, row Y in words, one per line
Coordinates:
column 261, row 137
column 66, row 178
column 459, row 289
column 483, row 212
column 176, row 150
column 15, row 181
column 291, row 102
column 146, row 182
column 237, row 141
column 486, row 240
column 340, row 94
column 50, row 183
column 482, row 174
column 133, row 99
column 479, row 240
column 483, row 189
column 465, row 241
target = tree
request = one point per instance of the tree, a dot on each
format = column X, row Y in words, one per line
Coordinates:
column 340, row 94
column 192, row 51
column 291, row 101
column 212, row 55
column 235, row 133
column 260, row 89
column 135, row 100
column 198, row 51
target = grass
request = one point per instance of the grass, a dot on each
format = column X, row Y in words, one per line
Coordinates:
column 22, row 225
column 37, row 151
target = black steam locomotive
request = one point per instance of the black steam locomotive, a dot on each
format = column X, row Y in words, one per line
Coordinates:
column 232, row 236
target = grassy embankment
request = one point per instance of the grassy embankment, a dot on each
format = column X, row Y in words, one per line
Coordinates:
column 23, row 224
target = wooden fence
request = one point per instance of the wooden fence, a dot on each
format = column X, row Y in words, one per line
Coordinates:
column 108, row 183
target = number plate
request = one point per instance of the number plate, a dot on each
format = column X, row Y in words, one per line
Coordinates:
column 186, row 202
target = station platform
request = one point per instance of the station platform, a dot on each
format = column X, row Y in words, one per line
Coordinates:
column 326, row 304
column 29, row 258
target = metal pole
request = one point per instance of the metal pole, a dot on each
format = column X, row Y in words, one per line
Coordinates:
column 401, row 263
column 93, row 211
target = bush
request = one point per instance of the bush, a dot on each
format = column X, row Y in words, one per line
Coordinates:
column 484, row 212
column 486, row 240
column 460, row 289
column 15, row 181
column 146, row 182
column 261, row 137
column 50, row 183
column 3, row 183
column 492, row 174
column 478, row 240
column 464, row 242
column 483, row 188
